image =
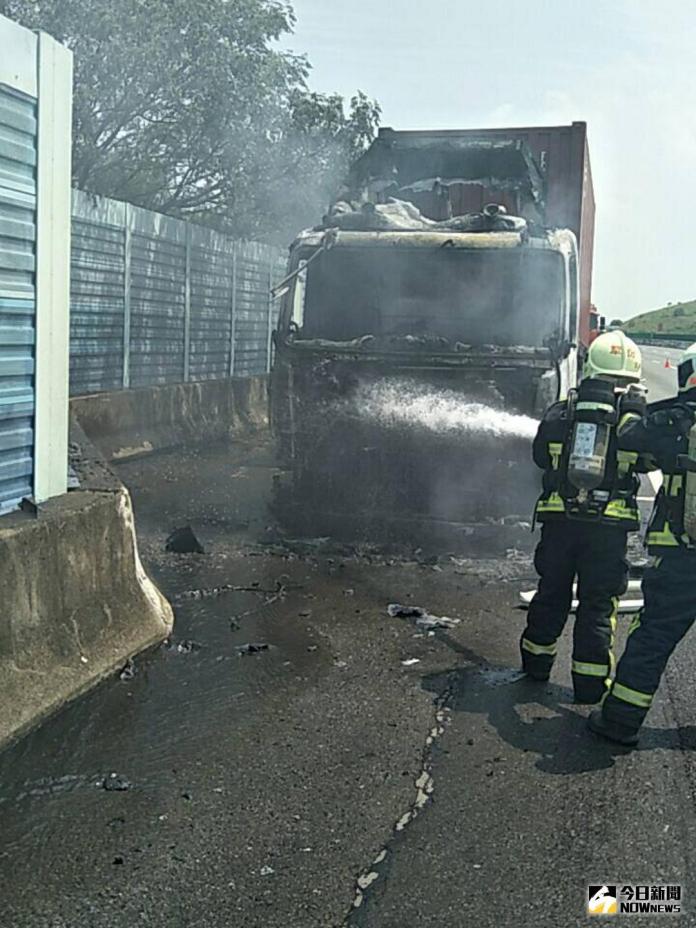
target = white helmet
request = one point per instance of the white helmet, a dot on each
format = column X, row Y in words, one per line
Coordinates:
column 687, row 370
column 613, row 356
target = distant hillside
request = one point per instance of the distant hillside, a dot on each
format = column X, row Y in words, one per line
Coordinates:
column 677, row 319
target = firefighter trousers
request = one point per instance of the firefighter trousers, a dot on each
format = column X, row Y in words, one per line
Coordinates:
column 669, row 611
column 595, row 553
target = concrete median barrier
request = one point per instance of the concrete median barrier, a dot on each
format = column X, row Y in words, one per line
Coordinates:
column 76, row 603
column 132, row 422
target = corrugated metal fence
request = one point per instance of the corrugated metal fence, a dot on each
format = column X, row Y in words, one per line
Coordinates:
column 18, row 141
column 155, row 300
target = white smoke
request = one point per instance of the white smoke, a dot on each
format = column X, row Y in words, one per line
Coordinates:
column 405, row 403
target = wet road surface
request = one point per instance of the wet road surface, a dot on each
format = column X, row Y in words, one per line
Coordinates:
column 283, row 787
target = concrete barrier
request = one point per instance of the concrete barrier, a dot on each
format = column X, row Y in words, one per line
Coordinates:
column 76, row 603
column 131, row 422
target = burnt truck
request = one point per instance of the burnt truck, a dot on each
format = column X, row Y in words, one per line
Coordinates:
column 424, row 326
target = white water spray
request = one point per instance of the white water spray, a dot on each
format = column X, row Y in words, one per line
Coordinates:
column 406, row 403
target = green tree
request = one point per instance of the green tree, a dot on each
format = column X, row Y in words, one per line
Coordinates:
column 189, row 107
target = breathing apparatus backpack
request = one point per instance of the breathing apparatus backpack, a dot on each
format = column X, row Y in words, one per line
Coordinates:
column 592, row 414
column 687, row 462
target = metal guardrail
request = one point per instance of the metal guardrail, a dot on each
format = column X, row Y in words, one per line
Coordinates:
column 156, row 300
column 657, row 338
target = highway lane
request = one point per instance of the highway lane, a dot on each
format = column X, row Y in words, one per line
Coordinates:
column 661, row 380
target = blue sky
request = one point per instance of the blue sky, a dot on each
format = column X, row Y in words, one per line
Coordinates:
column 626, row 67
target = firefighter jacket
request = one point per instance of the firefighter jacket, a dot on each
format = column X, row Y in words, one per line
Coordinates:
column 614, row 502
column 662, row 436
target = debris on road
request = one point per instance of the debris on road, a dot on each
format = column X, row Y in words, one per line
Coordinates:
column 185, row 646
column 429, row 622
column 183, row 541
column 115, row 784
column 396, row 610
column 267, row 871
column 128, row 671
column 253, row 648
column 423, row 618
column 410, row 662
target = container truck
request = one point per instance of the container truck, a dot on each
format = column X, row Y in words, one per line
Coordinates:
column 441, row 304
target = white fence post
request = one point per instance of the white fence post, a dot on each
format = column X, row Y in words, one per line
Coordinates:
column 187, row 307
column 269, row 344
column 233, row 309
column 127, row 260
column 53, row 209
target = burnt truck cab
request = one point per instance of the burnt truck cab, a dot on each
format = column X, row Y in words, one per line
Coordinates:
column 372, row 321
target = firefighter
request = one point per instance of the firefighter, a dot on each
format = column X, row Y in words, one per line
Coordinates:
column 586, row 509
column 669, row 593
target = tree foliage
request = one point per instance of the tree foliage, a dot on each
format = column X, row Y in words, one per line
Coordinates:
column 191, row 108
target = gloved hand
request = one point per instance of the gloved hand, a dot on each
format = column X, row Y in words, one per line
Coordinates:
column 633, row 400
column 679, row 418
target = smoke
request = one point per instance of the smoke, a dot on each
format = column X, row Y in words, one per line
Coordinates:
column 402, row 403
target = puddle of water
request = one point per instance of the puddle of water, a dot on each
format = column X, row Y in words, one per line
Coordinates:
column 501, row 677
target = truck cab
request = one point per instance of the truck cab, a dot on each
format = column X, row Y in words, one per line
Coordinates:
column 487, row 320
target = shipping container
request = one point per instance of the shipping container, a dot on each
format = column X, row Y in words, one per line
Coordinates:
column 558, row 183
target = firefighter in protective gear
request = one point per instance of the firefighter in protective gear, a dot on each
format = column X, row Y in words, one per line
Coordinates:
column 585, row 527
column 669, row 593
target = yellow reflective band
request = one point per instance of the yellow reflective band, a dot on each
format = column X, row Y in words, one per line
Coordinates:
column 553, row 504
column 664, row 539
column 617, row 509
column 634, row 697
column 528, row 645
column 635, row 623
column 625, row 461
column 555, row 451
column 590, row 670
column 613, row 624
column 628, row 457
column 605, row 407
column 625, row 419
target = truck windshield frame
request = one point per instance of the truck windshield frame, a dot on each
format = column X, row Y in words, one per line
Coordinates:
column 506, row 297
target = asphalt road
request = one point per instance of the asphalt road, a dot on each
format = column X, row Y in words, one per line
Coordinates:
column 661, row 380
column 356, row 760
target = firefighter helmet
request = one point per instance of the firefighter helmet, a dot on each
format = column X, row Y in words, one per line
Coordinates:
column 613, row 356
column 687, row 370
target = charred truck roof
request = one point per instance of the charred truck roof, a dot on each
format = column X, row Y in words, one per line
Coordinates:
column 421, row 168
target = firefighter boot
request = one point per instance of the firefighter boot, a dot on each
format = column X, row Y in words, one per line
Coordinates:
column 535, row 666
column 612, row 731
